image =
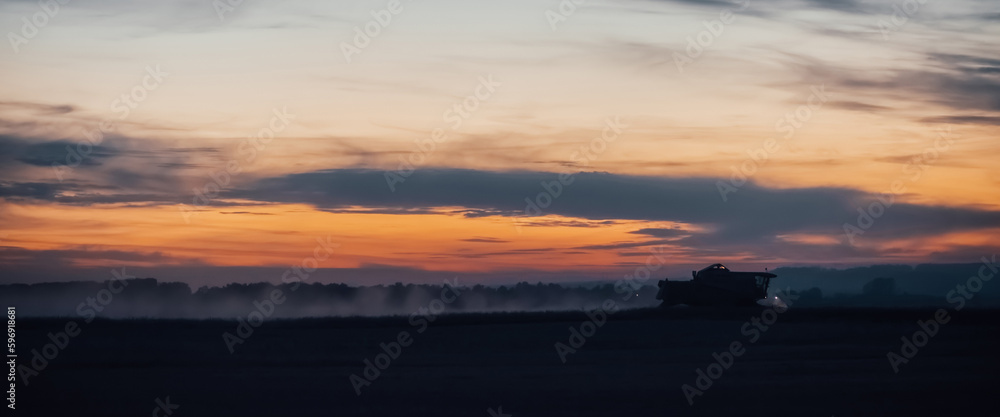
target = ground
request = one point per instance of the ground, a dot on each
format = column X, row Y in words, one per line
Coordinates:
column 816, row 362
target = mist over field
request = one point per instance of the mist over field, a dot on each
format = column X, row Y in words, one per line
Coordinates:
column 147, row 298
column 888, row 286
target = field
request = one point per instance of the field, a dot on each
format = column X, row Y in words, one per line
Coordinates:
column 809, row 362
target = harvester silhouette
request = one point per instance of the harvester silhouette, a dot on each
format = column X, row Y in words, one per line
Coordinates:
column 716, row 285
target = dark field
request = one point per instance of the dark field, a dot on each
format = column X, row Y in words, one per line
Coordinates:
column 808, row 363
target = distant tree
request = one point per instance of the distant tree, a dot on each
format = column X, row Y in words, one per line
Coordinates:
column 880, row 287
column 812, row 294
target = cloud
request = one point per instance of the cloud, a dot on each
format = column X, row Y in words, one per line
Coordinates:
column 973, row 120
column 772, row 8
column 858, row 106
column 846, row 6
column 625, row 245
column 37, row 108
column 951, row 81
column 480, row 239
column 660, row 232
column 14, row 257
column 43, row 153
column 33, row 190
column 47, row 153
column 752, row 213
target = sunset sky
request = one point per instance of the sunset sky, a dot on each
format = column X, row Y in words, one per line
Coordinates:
column 631, row 125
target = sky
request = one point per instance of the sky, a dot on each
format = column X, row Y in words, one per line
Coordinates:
column 211, row 142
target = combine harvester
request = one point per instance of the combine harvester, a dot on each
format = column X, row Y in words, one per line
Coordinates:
column 716, row 285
